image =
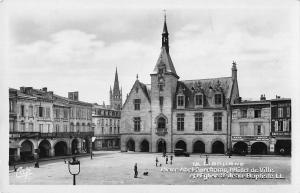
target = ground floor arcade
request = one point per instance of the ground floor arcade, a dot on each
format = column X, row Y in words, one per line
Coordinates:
column 31, row 148
column 193, row 144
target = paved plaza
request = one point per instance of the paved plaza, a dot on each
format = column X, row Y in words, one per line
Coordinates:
column 115, row 168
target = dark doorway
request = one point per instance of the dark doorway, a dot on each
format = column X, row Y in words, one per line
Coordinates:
column 258, row 148
column 145, row 146
column 283, row 147
column 130, row 145
column 218, row 147
column 199, row 147
column 60, row 148
column 161, row 146
column 26, row 152
column 74, row 146
column 240, row 148
column 44, row 148
column 180, row 145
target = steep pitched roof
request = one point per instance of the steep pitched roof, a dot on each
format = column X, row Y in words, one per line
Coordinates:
column 223, row 84
column 165, row 59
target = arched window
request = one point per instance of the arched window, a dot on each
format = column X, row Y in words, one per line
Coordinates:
column 161, row 124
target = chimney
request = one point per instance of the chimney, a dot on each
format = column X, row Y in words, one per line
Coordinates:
column 234, row 71
column 44, row 89
column 262, row 97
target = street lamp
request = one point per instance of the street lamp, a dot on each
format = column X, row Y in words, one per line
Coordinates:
column 91, row 146
column 74, row 168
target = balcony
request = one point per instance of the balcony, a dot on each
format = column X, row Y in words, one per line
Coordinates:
column 161, row 132
column 53, row 134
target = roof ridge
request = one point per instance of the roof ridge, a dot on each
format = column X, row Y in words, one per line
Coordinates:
column 207, row 78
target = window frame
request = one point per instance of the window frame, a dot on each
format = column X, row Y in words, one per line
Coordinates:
column 198, row 122
column 201, row 97
column 137, row 104
column 218, row 100
column 137, row 124
column 180, row 122
column 218, row 121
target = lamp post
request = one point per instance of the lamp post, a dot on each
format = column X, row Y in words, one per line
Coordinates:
column 74, row 168
column 91, row 146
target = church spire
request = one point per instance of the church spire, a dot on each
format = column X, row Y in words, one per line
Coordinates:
column 116, row 83
column 165, row 34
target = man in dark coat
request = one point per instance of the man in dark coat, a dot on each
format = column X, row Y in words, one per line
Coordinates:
column 135, row 170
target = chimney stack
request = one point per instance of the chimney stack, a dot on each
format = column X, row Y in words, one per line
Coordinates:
column 263, row 97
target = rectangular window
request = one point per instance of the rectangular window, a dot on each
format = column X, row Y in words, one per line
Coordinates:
column 257, row 113
column 41, row 110
column 137, row 123
column 110, row 130
column 137, row 104
column 11, row 108
column 65, row 113
column 30, row 127
column 288, row 112
column 218, row 121
column 102, row 130
column 218, row 99
column 30, row 111
column 23, row 126
column 259, row 130
column 11, row 126
column 244, row 113
column 65, row 128
column 280, row 126
column 161, row 100
column 199, row 100
column 198, row 121
column 280, row 112
column 180, row 101
column 57, row 128
column 57, row 111
column 41, row 128
column 22, row 111
column 180, row 122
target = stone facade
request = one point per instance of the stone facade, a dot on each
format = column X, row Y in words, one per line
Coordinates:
column 41, row 124
column 251, row 127
column 170, row 113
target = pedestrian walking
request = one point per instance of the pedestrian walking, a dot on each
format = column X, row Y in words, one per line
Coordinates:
column 166, row 159
column 156, row 162
column 206, row 159
column 171, row 159
column 135, row 170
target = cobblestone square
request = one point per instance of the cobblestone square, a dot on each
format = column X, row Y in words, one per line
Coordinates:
column 115, row 168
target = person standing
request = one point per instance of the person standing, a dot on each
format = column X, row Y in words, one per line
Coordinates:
column 171, row 159
column 156, row 162
column 135, row 170
column 166, row 159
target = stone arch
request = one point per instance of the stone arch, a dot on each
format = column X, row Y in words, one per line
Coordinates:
column 218, row 147
column 159, row 116
column 144, row 145
column 130, row 145
column 180, row 143
column 60, row 148
column 44, row 148
column 74, row 146
column 259, row 148
column 240, row 147
column 161, row 145
column 26, row 150
column 198, row 146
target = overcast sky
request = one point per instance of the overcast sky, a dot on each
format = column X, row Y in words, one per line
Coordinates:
column 77, row 47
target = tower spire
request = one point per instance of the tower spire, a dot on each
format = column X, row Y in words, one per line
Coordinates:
column 116, row 83
column 165, row 34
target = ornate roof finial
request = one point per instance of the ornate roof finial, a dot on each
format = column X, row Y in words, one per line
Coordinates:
column 137, row 76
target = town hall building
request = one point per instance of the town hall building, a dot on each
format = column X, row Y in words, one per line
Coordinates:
column 170, row 113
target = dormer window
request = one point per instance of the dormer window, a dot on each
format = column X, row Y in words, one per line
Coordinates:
column 199, row 99
column 180, row 101
column 218, row 99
